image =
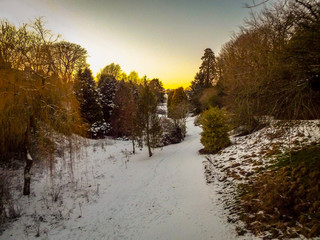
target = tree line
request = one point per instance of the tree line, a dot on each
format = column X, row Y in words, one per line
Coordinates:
column 48, row 94
column 271, row 66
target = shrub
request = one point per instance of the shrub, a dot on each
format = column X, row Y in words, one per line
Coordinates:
column 173, row 132
column 215, row 130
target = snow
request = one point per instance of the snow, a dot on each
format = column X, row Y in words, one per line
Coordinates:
column 247, row 155
column 111, row 194
column 102, row 191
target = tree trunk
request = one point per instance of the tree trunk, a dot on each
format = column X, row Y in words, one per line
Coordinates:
column 148, row 143
column 27, row 176
column 28, row 159
column 133, row 146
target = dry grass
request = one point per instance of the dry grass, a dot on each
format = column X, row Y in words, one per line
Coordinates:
column 285, row 199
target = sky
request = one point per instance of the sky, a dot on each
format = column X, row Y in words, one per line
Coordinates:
column 162, row 39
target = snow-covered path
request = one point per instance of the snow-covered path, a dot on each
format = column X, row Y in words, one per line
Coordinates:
column 162, row 197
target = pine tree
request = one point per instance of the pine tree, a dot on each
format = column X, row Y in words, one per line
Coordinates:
column 125, row 108
column 147, row 115
column 88, row 97
column 107, row 87
column 205, row 78
column 157, row 87
column 208, row 67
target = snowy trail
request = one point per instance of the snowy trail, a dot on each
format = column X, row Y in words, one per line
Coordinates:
column 162, row 197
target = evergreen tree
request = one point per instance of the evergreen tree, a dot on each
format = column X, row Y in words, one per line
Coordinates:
column 157, row 87
column 177, row 106
column 177, row 103
column 88, row 98
column 208, row 67
column 198, row 83
column 215, row 130
column 147, row 115
column 107, row 87
column 205, row 78
column 125, row 108
column 132, row 125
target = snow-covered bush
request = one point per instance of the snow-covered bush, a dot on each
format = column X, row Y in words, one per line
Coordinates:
column 99, row 130
column 196, row 120
column 172, row 132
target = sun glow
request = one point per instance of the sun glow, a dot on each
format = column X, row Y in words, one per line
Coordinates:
column 154, row 38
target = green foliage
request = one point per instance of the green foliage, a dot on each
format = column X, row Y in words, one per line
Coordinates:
column 208, row 67
column 215, row 130
column 157, row 87
column 309, row 157
column 147, row 115
column 177, row 104
column 88, row 97
column 123, row 119
column 107, row 88
column 172, row 132
column 205, row 78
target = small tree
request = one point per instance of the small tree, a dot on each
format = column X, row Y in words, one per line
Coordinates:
column 177, row 104
column 215, row 130
column 147, row 115
column 177, row 110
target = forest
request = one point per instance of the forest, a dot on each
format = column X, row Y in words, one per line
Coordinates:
column 264, row 85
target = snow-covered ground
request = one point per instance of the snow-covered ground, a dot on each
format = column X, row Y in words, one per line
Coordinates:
column 248, row 155
column 115, row 195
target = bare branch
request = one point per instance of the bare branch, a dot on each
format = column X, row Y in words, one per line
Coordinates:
column 254, row 4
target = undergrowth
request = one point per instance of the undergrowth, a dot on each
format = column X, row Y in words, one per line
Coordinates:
column 8, row 211
column 284, row 200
